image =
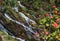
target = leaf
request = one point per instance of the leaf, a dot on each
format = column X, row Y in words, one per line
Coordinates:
column 42, row 21
column 47, row 24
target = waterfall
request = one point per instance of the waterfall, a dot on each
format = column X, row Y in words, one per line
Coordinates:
column 22, row 14
column 27, row 28
column 15, row 21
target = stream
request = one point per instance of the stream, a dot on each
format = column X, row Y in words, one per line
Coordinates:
column 27, row 28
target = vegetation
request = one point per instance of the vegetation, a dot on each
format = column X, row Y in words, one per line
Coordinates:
column 5, row 37
column 44, row 13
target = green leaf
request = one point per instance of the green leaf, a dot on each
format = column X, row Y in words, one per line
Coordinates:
column 43, row 21
column 47, row 24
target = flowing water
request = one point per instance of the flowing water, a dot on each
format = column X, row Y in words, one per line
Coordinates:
column 27, row 28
